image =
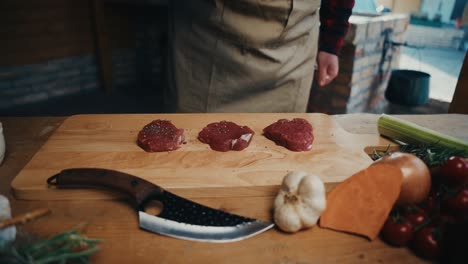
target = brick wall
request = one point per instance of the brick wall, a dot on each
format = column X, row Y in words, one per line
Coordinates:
column 28, row 75
column 32, row 83
column 365, row 66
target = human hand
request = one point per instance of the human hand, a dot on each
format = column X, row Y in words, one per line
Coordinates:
column 327, row 67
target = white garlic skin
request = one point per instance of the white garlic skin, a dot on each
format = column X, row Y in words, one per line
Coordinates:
column 300, row 201
column 8, row 234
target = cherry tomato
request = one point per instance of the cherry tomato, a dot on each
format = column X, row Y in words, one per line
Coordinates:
column 416, row 216
column 427, row 242
column 455, row 171
column 457, row 205
column 447, row 219
column 432, row 202
column 442, row 220
column 397, row 232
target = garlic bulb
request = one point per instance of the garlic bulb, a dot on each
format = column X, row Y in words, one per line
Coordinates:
column 300, row 201
column 8, row 234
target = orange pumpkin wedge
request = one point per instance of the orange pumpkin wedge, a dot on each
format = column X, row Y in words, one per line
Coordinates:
column 361, row 204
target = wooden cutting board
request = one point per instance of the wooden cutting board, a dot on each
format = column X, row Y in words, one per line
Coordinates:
column 194, row 170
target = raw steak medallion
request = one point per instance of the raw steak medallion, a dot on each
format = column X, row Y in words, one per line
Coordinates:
column 225, row 136
column 160, row 135
column 295, row 135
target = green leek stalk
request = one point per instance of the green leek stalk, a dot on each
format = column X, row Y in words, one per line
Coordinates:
column 410, row 133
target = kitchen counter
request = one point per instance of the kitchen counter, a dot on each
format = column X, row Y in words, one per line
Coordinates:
column 115, row 221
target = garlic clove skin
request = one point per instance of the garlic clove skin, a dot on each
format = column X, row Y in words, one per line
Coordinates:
column 285, row 220
column 308, row 216
column 7, row 235
column 311, row 184
column 292, row 181
column 313, row 193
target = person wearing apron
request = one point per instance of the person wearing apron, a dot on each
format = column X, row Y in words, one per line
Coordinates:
column 251, row 55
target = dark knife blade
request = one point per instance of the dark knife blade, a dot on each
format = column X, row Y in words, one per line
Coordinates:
column 179, row 217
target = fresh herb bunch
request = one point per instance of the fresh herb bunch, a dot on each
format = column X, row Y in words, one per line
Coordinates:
column 66, row 247
column 432, row 155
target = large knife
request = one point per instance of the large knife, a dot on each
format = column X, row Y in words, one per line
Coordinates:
column 179, row 217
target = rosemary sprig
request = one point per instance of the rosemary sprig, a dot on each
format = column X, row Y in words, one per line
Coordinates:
column 432, row 155
column 60, row 248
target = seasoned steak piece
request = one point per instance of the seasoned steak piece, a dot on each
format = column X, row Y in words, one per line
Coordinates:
column 160, row 135
column 225, row 136
column 295, row 135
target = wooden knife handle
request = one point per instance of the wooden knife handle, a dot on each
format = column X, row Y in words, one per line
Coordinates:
column 138, row 188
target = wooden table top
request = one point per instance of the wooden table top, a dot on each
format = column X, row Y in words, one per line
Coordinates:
column 116, row 222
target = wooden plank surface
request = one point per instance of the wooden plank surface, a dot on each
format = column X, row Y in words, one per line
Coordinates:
column 115, row 221
column 109, row 141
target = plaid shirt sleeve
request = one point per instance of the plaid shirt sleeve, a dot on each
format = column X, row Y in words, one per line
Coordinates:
column 334, row 15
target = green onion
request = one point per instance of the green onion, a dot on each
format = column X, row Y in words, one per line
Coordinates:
column 410, row 133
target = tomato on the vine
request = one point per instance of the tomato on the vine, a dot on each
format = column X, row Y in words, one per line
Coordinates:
column 432, row 202
column 457, row 205
column 416, row 216
column 427, row 242
column 454, row 171
column 397, row 231
column 442, row 220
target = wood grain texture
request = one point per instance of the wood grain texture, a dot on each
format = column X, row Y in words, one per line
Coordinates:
column 109, row 141
column 115, row 221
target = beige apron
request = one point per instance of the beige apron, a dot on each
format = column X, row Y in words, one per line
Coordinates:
column 241, row 55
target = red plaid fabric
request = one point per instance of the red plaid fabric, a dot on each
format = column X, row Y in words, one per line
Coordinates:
column 334, row 15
